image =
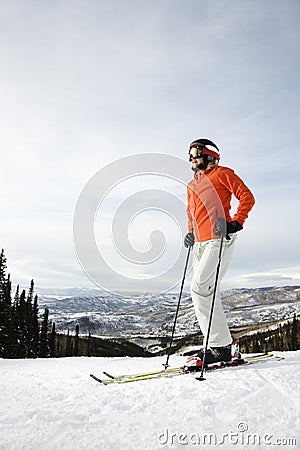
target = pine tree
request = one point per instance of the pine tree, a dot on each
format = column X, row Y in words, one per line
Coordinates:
column 32, row 325
column 8, row 306
column 69, row 345
column 44, row 340
column 2, row 268
column 52, row 343
column 89, row 344
column 5, row 310
column 76, row 345
column 15, row 306
column 29, row 324
column 294, row 334
column 21, row 316
column 35, row 328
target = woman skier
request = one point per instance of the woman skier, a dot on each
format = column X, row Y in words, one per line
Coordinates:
column 209, row 195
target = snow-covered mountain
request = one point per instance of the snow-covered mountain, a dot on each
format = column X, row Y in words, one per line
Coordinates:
column 133, row 314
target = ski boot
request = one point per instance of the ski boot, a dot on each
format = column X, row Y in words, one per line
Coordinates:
column 216, row 357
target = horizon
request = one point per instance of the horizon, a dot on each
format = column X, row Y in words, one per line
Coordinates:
column 161, row 293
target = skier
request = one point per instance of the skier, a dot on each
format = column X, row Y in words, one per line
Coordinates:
column 209, row 195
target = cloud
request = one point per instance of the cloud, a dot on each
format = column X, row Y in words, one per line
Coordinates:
column 277, row 277
column 84, row 85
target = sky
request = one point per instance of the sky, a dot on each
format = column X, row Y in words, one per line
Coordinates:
column 99, row 102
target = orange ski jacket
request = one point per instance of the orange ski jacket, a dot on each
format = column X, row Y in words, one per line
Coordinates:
column 209, row 196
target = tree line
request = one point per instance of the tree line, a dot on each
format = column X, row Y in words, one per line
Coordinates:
column 21, row 334
column 24, row 335
column 286, row 337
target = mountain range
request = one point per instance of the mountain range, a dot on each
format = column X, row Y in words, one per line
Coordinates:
column 134, row 314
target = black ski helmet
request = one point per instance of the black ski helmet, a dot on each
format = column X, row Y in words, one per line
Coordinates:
column 208, row 154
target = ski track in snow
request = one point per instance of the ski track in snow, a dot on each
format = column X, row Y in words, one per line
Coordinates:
column 51, row 404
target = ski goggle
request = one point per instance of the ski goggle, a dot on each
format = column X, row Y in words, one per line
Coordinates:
column 195, row 152
column 199, row 151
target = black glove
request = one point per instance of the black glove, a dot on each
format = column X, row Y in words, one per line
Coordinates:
column 225, row 228
column 233, row 227
column 189, row 240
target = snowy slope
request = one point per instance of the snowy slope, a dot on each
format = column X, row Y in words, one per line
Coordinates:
column 54, row 404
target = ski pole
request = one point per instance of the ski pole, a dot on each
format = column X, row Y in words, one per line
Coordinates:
column 166, row 365
column 201, row 377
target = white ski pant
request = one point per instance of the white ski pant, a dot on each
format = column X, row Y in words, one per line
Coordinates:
column 206, row 258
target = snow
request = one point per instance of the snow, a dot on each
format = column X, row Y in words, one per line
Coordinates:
column 49, row 404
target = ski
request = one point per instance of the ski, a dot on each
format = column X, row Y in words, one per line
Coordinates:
column 128, row 378
column 139, row 377
column 179, row 369
column 143, row 374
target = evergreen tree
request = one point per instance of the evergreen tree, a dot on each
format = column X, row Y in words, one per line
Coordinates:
column 76, row 345
column 35, row 328
column 9, row 318
column 89, row 345
column 69, row 345
column 44, row 340
column 28, row 323
column 294, row 334
column 32, row 325
column 5, row 309
column 52, row 343
column 21, row 316
column 14, row 313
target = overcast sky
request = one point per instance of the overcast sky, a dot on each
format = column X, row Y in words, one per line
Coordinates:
column 84, row 84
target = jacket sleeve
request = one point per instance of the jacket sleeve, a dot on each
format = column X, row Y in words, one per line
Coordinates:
column 188, row 211
column 243, row 194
